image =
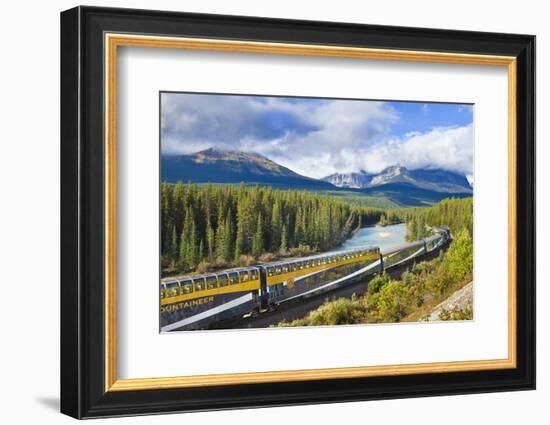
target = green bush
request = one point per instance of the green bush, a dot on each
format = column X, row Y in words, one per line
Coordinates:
column 393, row 302
column 377, row 283
column 465, row 313
column 459, row 259
column 343, row 311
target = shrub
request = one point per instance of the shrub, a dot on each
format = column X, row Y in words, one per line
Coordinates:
column 204, row 266
column 220, row 263
column 377, row 282
column 267, row 257
column 340, row 312
column 301, row 250
column 246, row 260
column 455, row 313
column 393, row 302
column 343, row 311
column 459, row 259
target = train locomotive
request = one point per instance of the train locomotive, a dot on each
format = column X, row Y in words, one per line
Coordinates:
column 197, row 302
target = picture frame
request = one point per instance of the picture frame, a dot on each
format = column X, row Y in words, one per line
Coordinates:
column 90, row 40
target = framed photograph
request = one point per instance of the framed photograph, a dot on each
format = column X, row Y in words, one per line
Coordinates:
column 262, row 212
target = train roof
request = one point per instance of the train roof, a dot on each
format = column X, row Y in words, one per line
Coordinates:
column 200, row 276
column 275, row 263
column 323, row 255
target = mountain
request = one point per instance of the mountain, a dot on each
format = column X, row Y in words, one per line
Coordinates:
column 432, row 180
column 350, row 180
column 409, row 195
column 395, row 184
column 406, row 187
column 221, row 166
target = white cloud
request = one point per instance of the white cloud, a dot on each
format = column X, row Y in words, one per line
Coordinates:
column 448, row 148
column 313, row 138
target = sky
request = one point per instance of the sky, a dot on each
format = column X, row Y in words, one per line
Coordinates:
column 318, row 137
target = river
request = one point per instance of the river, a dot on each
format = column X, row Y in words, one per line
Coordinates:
column 379, row 236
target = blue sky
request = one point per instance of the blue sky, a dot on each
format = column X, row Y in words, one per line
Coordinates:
column 317, row 137
column 422, row 117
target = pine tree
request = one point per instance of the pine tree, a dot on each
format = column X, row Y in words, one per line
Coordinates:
column 193, row 248
column 284, row 241
column 245, row 225
column 201, row 251
column 173, row 253
column 258, row 240
column 276, row 225
column 227, row 248
column 210, row 241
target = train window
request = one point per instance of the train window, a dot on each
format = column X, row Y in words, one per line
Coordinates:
column 211, row 282
column 285, row 269
column 199, row 283
column 223, row 280
column 270, row 271
column 172, row 288
column 244, row 276
column 278, row 270
column 186, row 286
column 233, row 278
column 254, row 274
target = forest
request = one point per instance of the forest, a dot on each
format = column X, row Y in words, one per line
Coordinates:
column 207, row 226
column 457, row 214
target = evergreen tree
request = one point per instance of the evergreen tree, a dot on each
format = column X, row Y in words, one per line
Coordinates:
column 210, row 241
column 258, row 240
column 276, row 226
column 173, row 253
column 284, row 240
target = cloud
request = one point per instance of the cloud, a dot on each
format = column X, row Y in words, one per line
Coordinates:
column 449, row 148
column 313, row 137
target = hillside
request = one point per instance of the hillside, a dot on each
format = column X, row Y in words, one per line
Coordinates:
column 217, row 166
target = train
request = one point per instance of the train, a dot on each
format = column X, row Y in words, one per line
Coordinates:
column 200, row 301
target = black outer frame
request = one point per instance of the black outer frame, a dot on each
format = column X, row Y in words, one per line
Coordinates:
column 82, row 207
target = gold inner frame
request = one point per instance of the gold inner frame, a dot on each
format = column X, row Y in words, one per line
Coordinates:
column 113, row 41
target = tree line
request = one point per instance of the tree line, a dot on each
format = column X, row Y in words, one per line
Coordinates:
column 455, row 213
column 223, row 224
